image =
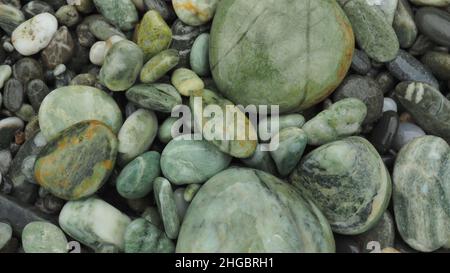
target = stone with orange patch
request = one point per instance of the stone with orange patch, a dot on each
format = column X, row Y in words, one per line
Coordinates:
column 195, row 12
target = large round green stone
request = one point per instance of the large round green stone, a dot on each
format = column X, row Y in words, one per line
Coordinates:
column 263, row 53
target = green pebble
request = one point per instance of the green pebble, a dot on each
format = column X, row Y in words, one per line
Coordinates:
column 195, row 12
column 187, row 82
column 26, row 112
column 199, row 56
column 166, row 205
column 153, row 35
column 136, row 179
column 5, row 233
column 284, row 121
column 121, row 13
column 261, row 160
column 159, row 65
column 151, row 214
column 165, row 130
column 142, row 236
column 43, row 237
column 102, row 30
column 190, row 191
column 159, row 97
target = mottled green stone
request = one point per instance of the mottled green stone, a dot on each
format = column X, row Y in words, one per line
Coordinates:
column 94, row 223
column 102, row 30
column 153, row 35
column 261, row 160
column 187, row 82
column 199, row 56
column 121, row 13
column 190, row 191
column 263, row 53
column 342, row 119
column 186, row 161
column 284, row 121
column 122, row 65
column 68, row 105
column 195, row 12
column 142, row 236
column 159, row 97
column 151, row 214
column 136, row 179
column 245, row 210
column 159, row 65
column 166, row 205
column 76, row 163
column 421, row 193
column 5, row 234
column 349, row 183
column 43, row 237
column 165, row 130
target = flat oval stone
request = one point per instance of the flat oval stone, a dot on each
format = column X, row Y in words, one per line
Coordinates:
column 404, row 25
column 257, row 212
column 284, row 121
column 349, row 183
column 166, row 206
column 60, row 169
column 68, row 105
column 186, row 161
column 187, row 82
column 121, row 13
column 36, row 91
column 293, row 69
column 153, row 35
column 158, row 96
column 199, row 57
column 34, row 8
column 434, row 23
column 142, row 236
column 43, row 237
column 421, row 182
column 85, row 221
column 102, row 30
column 159, row 65
column 136, row 179
column 13, row 95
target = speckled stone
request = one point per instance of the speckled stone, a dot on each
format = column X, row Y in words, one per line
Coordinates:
column 344, row 118
column 43, row 237
column 199, row 57
column 244, row 203
column 85, row 221
column 187, row 82
column 13, row 95
column 36, row 91
column 59, row 50
column 287, row 149
column 349, row 183
column 68, row 15
column 294, row 69
column 121, row 13
column 153, row 35
column 77, row 162
column 166, row 206
column 142, row 236
column 421, row 179
column 192, row 161
column 195, row 12
column 159, row 97
column 102, row 30
column 159, row 65
column 136, row 179
column 68, row 105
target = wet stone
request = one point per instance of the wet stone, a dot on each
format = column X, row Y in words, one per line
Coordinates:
column 383, row 134
column 68, row 15
column 142, row 236
column 27, row 69
column 158, row 97
column 8, row 128
column 153, row 35
column 60, row 49
column 13, row 95
column 36, row 91
column 164, row 198
column 43, row 237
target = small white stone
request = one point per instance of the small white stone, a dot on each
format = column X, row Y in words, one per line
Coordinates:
column 35, row 34
column 389, row 105
column 59, row 69
column 97, row 53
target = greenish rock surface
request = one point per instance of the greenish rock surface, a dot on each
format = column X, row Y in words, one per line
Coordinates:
column 153, row 35
column 166, row 206
column 65, row 106
column 187, row 82
column 261, row 160
column 199, row 56
column 188, row 161
column 122, row 66
column 348, row 182
column 256, row 213
column 43, row 237
column 94, row 222
column 190, row 191
column 195, row 12
column 136, row 179
column 344, row 118
column 159, row 65
column 293, row 69
column 142, row 236
column 421, row 190
column 137, row 134
column 151, row 214
column 121, row 13
column 5, row 234
column 265, row 130
column 10, row 18
column 383, row 232
column 76, row 163
column 165, row 130
column 159, row 97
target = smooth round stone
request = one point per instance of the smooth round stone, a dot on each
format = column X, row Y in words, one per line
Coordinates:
column 93, row 222
column 27, row 69
column 181, row 204
column 84, row 37
column 383, row 134
column 261, row 160
column 8, row 128
column 389, row 105
column 199, row 57
column 84, row 6
column 137, row 134
column 60, row 169
column 294, row 70
column 163, row 7
column 407, row 68
column 165, row 130
column 365, row 89
column 187, row 82
column 421, row 177
column 265, row 130
column 136, row 179
column 35, row 34
column 438, row 63
column 59, row 50
column 68, row 105
column 121, row 13
column 159, row 65
column 190, row 191
column 68, row 15
column 361, row 62
column 26, row 112
column 87, row 79
column 435, row 24
column 102, row 30
column 196, row 12
column 430, row 109
column 36, row 91
column 43, row 237
column 404, row 24
column 159, row 97
column 34, row 8
column 151, row 214
column 186, row 161
column 5, row 74
column 142, row 236
column 257, row 212
column 5, row 161
column 13, row 94
column 166, row 206
column 153, row 35
column 5, row 234
column 388, row 7
column 348, row 182
column 10, row 17
column 373, row 32
column 122, row 65
column 343, row 118
column 287, row 148
column 406, row 133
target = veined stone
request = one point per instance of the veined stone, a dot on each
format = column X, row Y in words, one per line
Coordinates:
column 43, row 237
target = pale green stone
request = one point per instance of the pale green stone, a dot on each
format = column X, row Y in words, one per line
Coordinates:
column 159, row 97
column 143, row 237
column 284, row 121
column 68, row 105
column 199, row 56
column 195, row 12
column 250, row 211
column 187, row 82
column 5, row 233
column 261, row 160
column 165, row 130
column 121, row 13
column 43, row 237
column 166, row 205
column 159, row 65
column 190, row 191
column 342, row 119
column 26, row 112
column 153, row 35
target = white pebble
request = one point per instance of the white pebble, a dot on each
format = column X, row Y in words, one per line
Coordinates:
column 35, row 34
column 59, row 69
column 97, row 53
column 389, row 105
